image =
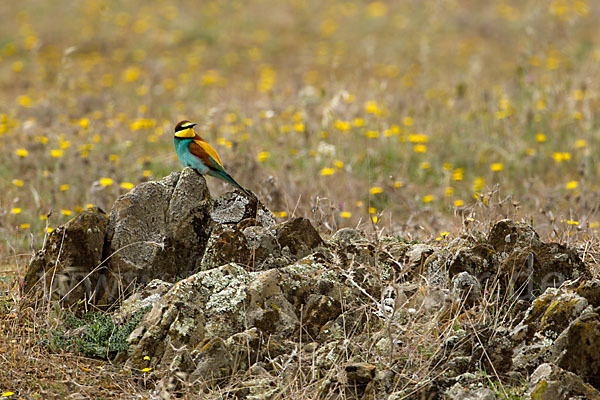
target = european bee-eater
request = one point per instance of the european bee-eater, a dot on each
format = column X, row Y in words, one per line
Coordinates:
column 195, row 152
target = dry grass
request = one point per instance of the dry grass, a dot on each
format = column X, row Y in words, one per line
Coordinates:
column 422, row 118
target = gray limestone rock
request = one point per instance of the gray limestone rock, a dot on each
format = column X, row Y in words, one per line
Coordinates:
column 158, row 230
column 67, row 269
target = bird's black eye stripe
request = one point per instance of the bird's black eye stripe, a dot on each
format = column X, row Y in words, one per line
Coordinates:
column 183, row 126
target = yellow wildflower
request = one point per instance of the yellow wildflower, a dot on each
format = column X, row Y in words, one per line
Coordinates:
column 420, row 148
column 25, row 101
column 572, row 185
column 56, row 153
column 21, row 153
column 496, row 167
column 377, row 9
column 263, row 155
column 106, row 181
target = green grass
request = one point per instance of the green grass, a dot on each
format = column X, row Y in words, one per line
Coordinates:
column 95, row 334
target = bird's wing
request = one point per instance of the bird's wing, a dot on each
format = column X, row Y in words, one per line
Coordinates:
column 207, row 154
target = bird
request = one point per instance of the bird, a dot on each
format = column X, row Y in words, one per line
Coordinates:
column 195, row 152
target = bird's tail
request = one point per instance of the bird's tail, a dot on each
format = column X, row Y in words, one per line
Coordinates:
column 227, row 178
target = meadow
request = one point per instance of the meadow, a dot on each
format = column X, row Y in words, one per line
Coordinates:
column 418, row 118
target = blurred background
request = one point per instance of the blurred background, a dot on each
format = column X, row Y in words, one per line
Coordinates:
column 415, row 117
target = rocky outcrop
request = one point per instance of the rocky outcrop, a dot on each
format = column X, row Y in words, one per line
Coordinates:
column 68, row 267
column 234, row 297
column 157, row 230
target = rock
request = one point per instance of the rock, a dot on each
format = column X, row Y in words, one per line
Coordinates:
column 236, row 306
column 535, row 268
column 507, row 235
column 478, row 259
column 319, row 310
column 226, row 244
column 590, row 290
column 549, row 381
column 265, row 251
column 298, row 237
column 359, row 373
column 551, row 313
column 545, row 320
column 268, row 307
column 233, row 207
column 68, row 267
column 158, row 230
column 337, row 329
column 458, row 392
column 576, row 349
column 466, row 287
column 345, row 237
column 144, row 297
column 415, row 257
column 436, row 268
column 206, row 305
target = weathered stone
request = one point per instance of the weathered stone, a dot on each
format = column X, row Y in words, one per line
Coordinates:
column 157, row 230
column 319, row 310
column 531, row 270
column 414, row 259
column 549, row 381
column 466, row 287
column 477, row 259
column 576, row 349
column 436, row 268
column 507, row 235
column 226, row 244
column 268, row 308
column 144, row 297
column 233, row 207
column 459, row 392
column 345, row 237
column 359, row 373
column 265, row 251
column 69, row 265
column 212, row 361
column 298, row 237
column 590, row 290
column 206, row 305
column 345, row 324
column 550, row 314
